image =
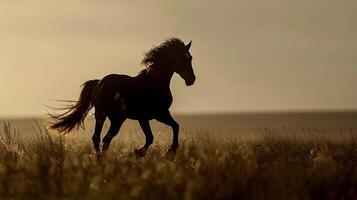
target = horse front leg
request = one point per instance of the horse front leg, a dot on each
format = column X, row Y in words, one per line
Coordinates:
column 149, row 138
column 167, row 119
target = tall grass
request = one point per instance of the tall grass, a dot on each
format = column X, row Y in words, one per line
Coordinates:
column 207, row 166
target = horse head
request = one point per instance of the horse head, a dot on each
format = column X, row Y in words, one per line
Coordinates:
column 183, row 65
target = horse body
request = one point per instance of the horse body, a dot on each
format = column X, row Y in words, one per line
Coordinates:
column 137, row 98
column 143, row 97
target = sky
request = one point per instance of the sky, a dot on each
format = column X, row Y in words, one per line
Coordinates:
column 248, row 56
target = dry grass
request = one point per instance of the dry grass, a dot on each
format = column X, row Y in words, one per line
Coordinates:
column 206, row 167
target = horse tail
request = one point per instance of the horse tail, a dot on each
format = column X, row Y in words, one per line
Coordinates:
column 74, row 116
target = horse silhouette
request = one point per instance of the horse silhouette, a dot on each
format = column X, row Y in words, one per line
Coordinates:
column 143, row 97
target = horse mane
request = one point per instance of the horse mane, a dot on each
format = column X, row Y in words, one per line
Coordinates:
column 154, row 56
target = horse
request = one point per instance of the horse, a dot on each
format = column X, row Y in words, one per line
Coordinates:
column 144, row 97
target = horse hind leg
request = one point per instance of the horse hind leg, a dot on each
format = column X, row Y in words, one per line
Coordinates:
column 99, row 121
column 115, row 124
column 116, row 117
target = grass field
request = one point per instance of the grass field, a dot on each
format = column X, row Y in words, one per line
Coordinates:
column 207, row 166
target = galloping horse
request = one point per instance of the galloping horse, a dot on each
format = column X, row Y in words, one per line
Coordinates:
column 144, row 97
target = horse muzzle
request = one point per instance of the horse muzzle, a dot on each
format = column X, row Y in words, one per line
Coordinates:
column 190, row 81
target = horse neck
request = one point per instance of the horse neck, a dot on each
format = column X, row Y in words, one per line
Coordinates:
column 161, row 78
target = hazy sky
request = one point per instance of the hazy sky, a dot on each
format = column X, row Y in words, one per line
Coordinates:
column 248, row 55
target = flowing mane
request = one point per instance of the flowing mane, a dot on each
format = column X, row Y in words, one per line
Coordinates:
column 155, row 55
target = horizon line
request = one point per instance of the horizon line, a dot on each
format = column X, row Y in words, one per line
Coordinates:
column 235, row 112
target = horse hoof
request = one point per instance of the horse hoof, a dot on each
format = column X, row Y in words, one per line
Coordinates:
column 171, row 153
column 99, row 157
column 139, row 153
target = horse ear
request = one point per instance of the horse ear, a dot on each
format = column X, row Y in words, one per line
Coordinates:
column 188, row 45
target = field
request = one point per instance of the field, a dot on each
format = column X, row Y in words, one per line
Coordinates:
column 269, row 164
